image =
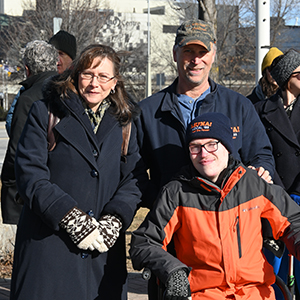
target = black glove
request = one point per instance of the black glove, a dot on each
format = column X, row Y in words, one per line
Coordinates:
column 82, row 228
column 178, row 286
column 109, row 227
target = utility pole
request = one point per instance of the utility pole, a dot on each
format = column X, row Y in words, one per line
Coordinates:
column 262, row 40
column 56, row 24
column 148, row 71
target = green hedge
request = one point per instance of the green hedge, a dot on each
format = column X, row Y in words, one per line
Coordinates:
column 3, row 114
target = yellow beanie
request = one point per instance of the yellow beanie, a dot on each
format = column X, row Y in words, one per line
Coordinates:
column 269, row 57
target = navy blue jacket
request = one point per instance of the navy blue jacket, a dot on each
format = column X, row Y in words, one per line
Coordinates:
column 284, row 134
column 161, row 134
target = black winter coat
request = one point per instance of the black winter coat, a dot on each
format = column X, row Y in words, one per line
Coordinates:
column 284, row 134
column 83, row 170
column 33, row 91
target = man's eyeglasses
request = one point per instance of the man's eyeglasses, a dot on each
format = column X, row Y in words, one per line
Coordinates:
column 209, row 147
column 100, row 78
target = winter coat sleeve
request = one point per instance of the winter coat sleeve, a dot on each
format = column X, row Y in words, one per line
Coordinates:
column 284, row 217
column 149, row 242
column 33, row 175
column 257, row 149
column 147, row 186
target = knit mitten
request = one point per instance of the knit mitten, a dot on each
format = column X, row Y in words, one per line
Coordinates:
column 82, row 229
column 178, row 286
column 109, row 228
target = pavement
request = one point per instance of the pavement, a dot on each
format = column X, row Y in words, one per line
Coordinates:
column 137, row 286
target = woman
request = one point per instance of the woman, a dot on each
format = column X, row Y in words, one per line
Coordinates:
column 266, row 86
column 62, row 252
column 280, row 116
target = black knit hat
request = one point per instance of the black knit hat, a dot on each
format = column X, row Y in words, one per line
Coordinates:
column 65, row 42
column 284, row 67
column 211, row 125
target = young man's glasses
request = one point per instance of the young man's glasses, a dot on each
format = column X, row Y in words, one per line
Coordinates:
column 209, row 147
column 100, row 78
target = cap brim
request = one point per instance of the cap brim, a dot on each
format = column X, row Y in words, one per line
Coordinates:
column 194, row 42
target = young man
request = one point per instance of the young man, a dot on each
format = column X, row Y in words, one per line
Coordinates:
column 65, row 43
column 165, row 115
column 212, row 211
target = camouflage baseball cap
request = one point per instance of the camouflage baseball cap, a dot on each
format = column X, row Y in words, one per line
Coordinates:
column 195, row 32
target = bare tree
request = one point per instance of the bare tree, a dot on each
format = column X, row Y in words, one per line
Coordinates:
column 79, row 17
column 234, row 23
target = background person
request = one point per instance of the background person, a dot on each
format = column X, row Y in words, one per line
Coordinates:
column 10, row 112
column 39, row 60
column 212, row 210
column 62, row 252
column 280, row 116
column 266, row 86
column 65, row 43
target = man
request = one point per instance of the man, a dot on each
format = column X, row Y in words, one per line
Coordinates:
column 212, row 210
column 40, row 60
column 65, row 43
column 165, row 115
column 266, row 86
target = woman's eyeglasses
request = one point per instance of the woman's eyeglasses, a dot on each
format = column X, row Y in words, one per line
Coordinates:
column 100, row 78
column 209, row 147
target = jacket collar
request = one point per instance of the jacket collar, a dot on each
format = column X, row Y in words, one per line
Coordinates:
column 273, row 103
column 233, row 173
column 275, row 115
column 31, row 80
column 170, row 100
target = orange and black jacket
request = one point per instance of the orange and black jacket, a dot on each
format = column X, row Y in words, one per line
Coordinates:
column 216, row 231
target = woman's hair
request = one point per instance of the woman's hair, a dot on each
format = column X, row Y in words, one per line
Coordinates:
column 268, row 88
column 122, row 107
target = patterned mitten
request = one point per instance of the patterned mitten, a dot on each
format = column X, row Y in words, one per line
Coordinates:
column 109, row 227
column 82, row 228
column 178, row 286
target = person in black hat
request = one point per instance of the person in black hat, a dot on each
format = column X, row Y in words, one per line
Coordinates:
column 65, row 43
column 212, row 211
column 280, row 116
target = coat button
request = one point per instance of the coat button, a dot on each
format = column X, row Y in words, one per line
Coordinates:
column 278, row 154
column 297, row 153
column 94, row 173
column 95, row 153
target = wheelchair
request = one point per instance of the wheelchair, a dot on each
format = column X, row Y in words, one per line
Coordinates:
column 146, row 275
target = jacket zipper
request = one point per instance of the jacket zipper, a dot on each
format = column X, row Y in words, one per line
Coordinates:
column 238, row 233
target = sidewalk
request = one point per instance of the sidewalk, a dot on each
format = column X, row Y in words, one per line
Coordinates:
column 137, row 287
